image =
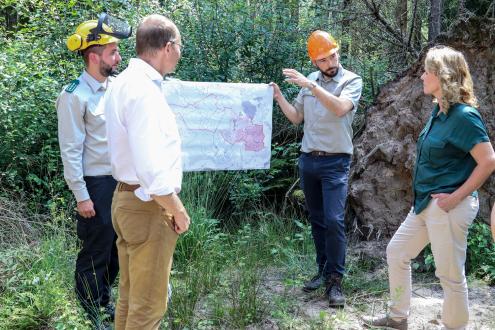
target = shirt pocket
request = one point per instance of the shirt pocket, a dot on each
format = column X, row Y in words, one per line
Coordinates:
column 95, row 116
column 436, row 151
column 96, row 109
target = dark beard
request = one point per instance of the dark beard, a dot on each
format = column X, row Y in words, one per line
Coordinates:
column 329, row 74
column 107, row 70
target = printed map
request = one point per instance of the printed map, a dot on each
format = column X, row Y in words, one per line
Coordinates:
column 223, row 126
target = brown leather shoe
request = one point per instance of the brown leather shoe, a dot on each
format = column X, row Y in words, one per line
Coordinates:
column 386, row 322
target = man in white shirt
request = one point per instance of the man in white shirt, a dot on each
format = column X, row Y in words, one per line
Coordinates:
column 87, row 170
column 145, row 154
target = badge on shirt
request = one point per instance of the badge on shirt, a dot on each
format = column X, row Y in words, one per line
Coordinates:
column 72, row 86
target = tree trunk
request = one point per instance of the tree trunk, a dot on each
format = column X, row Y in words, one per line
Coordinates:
column 401, row 16
column 435, row 19
column 417, row 37
column 461, row 9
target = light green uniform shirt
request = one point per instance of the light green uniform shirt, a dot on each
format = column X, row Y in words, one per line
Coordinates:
column 82, row 133
column 323, row 130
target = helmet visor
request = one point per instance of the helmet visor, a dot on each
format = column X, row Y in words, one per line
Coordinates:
column 113, row 26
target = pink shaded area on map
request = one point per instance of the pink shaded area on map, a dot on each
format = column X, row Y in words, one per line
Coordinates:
column 246, row 132
column 252, row 136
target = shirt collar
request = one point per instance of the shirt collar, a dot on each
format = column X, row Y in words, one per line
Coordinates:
column 94, row 84
column 442, row 116
column 337, row 77
column 147, row 69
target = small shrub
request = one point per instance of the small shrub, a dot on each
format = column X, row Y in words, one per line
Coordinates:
column 481, row 252
column 480, row 257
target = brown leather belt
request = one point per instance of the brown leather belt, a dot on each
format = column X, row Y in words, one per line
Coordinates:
column 324, row 153
column 122, row 186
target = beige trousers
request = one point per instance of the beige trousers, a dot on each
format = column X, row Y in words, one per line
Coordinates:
column 447, row 232
column 146, row 244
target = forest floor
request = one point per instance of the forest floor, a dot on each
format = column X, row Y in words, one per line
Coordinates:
column 311, row 311
column 249, row 277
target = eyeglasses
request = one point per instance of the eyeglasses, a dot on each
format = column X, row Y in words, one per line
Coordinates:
column 181, row 46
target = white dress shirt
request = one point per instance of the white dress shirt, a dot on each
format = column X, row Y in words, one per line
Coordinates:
column 82, row 133
column 143, row 138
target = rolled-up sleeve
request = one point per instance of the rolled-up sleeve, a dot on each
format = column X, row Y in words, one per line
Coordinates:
column 470, row 130
column 71, row 135
column 154, row 143
column 352, row 91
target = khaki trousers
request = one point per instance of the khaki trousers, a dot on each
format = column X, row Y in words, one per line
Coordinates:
column 145, row 243
column 447, row 232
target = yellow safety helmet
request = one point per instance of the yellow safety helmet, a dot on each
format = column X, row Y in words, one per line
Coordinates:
column 103, row 31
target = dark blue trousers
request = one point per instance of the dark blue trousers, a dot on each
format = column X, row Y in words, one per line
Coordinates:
column 97, row 263
column 324, row 182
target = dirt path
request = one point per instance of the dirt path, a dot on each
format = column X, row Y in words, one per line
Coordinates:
column 310, row 311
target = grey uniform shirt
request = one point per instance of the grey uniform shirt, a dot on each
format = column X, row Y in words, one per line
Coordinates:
column 323, row 130
column 82, row 133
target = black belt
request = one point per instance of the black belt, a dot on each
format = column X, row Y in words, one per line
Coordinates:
column 103, row 176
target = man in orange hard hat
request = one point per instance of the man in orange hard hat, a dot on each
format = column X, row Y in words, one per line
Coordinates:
column 327, row 102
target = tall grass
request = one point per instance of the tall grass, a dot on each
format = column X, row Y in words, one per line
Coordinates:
column 221, row 270
column 36, row 273
column 219, row 267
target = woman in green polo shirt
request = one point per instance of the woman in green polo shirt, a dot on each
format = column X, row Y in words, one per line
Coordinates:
column 454, row 157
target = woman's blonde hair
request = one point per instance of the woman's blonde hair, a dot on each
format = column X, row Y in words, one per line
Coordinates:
column 451, row 68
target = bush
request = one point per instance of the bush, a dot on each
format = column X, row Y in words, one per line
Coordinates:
column 227, row 40
column 480, row 257
column 481, row 252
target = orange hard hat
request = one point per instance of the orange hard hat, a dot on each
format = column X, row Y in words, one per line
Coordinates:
column 321, row 44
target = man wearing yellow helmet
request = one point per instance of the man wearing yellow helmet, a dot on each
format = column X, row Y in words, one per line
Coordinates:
column 327, row 102
column 87, row 170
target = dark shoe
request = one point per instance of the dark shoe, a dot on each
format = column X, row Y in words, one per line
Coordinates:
column 103, row 326
column 109, row 311
column 387, row 322
column 334, row 291
column 313, row 284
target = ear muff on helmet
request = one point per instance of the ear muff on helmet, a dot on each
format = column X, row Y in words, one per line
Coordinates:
column 74, row 42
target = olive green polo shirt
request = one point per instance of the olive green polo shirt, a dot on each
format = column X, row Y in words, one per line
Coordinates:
column 443, row 159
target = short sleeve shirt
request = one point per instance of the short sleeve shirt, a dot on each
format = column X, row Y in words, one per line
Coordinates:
column 323, row 130
column 444, row 161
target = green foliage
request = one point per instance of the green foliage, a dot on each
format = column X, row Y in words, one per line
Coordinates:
column 35, row 285
column 481, row 252
column 34, row 66
column 227, row 40
column 480, row 256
